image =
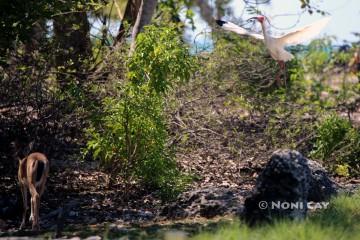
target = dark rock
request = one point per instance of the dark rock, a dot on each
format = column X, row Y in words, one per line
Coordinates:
column 321, row 186
column 212, row 209
column 174, row 211
column 73, row 214
column 3, row 225
column 137, row 215
column 207, row 202
column 90, row 220
column 56, row 219
column 10, row 206
column 285, row 180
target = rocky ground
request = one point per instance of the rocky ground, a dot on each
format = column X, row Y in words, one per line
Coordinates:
column 78, row 198
column 84, row 197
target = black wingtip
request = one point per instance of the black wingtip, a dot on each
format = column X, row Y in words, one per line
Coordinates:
column 220, row 22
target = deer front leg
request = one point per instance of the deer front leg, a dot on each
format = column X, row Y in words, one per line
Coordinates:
column 25, row 205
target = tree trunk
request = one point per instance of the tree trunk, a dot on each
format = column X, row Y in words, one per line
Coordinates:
column 206, row 11
column 130, row 15
column 72, row 39
column 72, row 36
column 146, row 11
column 37, row 35
column 220, row 11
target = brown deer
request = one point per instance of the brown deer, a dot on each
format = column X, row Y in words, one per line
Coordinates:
column 32, row 174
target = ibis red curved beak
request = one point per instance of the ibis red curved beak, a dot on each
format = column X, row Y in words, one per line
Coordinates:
column 260, row 18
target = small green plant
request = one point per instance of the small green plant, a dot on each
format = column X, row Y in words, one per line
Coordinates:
column 338, row 145
column 342, row 170
column 330, row 134
column 130, row 135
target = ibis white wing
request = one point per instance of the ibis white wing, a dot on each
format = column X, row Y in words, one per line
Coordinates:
column 229, row 26
column 304, row 33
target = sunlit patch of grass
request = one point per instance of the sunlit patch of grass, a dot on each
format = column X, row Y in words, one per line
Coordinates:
column 341, row 220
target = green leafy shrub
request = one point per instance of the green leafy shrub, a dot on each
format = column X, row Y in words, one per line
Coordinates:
column 330, row 133
column 247, row 65
column 130, row 140
column 349, row 154
column 130, row 135
column 318, row 56
column 161, row 60
column 338, row 144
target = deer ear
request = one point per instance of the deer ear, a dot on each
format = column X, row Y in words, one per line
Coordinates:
column 31, row 145
column 29, row 148
column 15, row 150
column 14, row 145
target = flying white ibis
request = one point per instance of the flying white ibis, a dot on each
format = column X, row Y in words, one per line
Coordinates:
column 276, row 45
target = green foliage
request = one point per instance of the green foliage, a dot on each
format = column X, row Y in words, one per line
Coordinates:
column 17, row 18
column 318, row 55
column 338, row 144
column 130, row 135
column 113, row 8
column 305, row 4
column 245, row 67
column 287, row 127
column 131, row 138
column 331, row 131
column 245, row 64
column 169, row 12
column 249, row 64
column 342, row 170
column 290, row 111
column 296, row 84
column 161, row 60
column 341, row 220
column 325, row 68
